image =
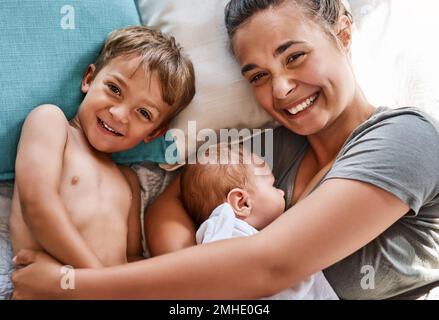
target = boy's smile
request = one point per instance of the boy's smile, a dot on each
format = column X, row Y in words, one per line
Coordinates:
column 123, row 105
column 108, row 129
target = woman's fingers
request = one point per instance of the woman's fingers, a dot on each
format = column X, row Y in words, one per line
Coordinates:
column 25, row 257
column 38, row 276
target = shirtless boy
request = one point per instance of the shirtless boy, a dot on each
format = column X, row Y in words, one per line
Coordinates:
column 70, row 198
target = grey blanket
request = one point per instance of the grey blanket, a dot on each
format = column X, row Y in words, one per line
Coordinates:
column 6, row 189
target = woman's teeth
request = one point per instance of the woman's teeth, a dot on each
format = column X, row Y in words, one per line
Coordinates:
column 305, row 104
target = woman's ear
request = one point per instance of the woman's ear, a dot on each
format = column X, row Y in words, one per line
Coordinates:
column 344, row 32
column 88, row 78
column 239, row 200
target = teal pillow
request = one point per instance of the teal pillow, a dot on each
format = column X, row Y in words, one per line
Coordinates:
column 45, row 47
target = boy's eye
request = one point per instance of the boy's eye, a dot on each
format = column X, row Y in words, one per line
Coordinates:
column 144, row 113
column 295, row 57
column 114, row 89
column 257, row 77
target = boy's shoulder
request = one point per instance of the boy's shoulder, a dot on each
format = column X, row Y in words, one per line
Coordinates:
column 46, row 125
column 46, row 113
column 46, row 119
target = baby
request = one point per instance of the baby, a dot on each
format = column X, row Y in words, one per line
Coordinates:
column 70, row 199
column 236, row 199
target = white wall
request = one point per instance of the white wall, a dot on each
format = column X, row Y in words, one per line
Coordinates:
column 396, row 52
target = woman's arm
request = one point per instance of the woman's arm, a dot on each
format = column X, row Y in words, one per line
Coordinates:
column 167, row 226
column 334, row 221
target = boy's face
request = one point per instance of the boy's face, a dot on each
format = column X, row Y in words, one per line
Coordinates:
column 123, row 105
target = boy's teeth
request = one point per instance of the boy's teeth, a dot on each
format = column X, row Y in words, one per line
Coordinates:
column 108, row 127
column 305, row 104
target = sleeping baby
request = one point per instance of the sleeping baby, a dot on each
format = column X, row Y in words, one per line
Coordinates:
column 236, row 199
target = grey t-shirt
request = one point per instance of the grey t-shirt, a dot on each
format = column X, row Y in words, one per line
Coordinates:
column 398, row 151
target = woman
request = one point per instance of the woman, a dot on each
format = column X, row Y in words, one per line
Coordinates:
column 362, row 200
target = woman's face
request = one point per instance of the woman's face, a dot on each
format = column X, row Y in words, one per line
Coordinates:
column 297, row 72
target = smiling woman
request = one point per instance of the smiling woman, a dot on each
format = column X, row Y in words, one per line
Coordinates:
column 358, row 195
column 288, row 68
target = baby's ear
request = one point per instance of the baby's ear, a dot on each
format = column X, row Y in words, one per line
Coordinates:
column 157, row 133
column 239, row 200
column 88, row 78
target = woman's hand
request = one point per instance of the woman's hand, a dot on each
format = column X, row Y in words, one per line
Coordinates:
column 38, row 276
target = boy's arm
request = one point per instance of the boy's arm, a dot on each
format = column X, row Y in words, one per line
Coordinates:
column 168, row 227
column 134, row 238
column 38, row 172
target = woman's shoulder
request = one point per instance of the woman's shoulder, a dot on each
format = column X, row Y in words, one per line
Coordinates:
column 406, row 115
column 393, row 150
column 398, row 122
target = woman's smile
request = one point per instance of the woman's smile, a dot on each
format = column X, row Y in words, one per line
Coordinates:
column 302, row 107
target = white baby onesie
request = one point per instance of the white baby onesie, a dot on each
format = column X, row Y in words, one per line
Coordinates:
column 223, row 224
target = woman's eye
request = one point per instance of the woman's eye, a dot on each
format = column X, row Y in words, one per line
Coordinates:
column 145, row 114
column 114, row 89
column 295, row 57
column 256, row 78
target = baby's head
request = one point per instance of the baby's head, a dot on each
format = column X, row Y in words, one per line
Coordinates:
column 247, row 184
column 139, row 82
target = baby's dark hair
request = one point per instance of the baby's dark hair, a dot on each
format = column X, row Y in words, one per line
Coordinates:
column 325, row 12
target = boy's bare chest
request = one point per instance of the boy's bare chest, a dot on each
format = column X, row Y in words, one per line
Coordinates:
column 92, row 187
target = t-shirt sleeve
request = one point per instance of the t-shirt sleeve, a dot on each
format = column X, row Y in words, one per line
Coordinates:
column 398, row 154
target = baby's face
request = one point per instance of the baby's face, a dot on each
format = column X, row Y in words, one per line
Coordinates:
column 267, row 201
column 123, row 105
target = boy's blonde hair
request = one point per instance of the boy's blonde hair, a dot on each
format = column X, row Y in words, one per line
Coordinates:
column 205, row 186
column 160, row 53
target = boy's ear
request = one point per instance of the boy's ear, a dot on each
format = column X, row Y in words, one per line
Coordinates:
column 157, row 133
column 344, row 32
column 239, row 200
column 88, row 78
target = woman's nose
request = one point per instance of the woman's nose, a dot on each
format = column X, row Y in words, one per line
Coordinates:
column 282, row 87
column 119, row 113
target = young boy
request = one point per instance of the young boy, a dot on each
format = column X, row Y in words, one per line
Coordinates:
column 70, row 199
column 228, row 200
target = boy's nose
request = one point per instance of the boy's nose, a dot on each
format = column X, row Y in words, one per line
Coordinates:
column 119, row 113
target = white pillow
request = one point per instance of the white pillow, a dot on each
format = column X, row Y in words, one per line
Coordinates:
column 394, row 57
column 395, row 53
column 223, row 97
